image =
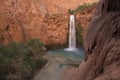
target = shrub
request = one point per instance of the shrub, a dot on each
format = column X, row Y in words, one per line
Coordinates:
column 79, row 38
column 84, row 6
column 70, row 11
column 81, row 7
column 18, row 61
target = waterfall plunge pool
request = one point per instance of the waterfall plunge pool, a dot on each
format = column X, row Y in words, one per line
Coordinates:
column 74, row 54
column 58, row 61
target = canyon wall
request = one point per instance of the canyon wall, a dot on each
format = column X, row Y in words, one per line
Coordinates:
column 83, row 17
column 62, row 6
column 46, row 20
column 21, row 20
column 102, row 45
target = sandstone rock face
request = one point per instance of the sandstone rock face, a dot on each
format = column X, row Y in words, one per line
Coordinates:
column 46, row 20
column 102, row 45
column 83, row 17
column 21, row 20
column 62, row 6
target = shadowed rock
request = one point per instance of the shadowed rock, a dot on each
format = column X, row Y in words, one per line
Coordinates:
column 102, row 45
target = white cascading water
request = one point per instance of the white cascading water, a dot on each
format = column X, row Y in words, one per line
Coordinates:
column 72, row 34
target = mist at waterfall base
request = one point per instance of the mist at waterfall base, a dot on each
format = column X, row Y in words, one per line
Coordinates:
column 72, row 52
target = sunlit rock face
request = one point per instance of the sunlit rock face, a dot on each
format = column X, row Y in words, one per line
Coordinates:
column 102, row 45
column 62, row 6
column 21, row 20
column 46, row 20
column 83, row 18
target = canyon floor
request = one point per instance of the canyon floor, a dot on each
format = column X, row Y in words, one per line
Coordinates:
column 58, row 63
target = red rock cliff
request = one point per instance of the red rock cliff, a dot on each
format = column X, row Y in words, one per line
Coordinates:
column 21, row 20
column 46, row 20
column 102, row 45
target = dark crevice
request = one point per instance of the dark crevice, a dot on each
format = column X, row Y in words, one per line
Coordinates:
column 116, row 34
column 7, row 28
column 113, row 5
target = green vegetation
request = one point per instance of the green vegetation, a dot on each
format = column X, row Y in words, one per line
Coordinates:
column 84, row 6
column 81, row 7
column 79, row 38
column 70, row 11
column 19, row 61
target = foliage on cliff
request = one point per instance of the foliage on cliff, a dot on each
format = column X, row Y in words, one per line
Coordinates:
column 79, row 37
column 81, row 7
column 84, row 6
column 19, row 61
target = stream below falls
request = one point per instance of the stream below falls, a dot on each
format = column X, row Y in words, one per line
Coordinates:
column 58, row 61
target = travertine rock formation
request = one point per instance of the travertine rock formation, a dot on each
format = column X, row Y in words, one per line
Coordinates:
column 102, row 45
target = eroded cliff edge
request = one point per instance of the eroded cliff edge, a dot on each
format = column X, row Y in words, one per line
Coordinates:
column 102, row 45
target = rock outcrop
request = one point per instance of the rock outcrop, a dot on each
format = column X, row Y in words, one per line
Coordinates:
column 21, row 20
column 46, row 20
column 83, row 17
column 102, row 45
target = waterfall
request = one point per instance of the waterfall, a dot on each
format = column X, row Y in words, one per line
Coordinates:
column 72, row 34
